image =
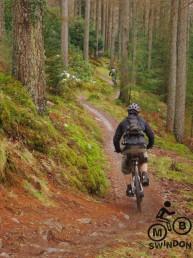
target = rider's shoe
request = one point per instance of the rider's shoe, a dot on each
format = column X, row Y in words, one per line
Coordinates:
column 129, row 191
column 145, row 179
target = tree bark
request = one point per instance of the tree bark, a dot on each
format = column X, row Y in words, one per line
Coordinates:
column 181, row 70
column 150, row 36
column 114, row 33
column 107, row 25
column 2, row 22
column 28, row 50
column 94, row 11
column 147, row 11
column 110, row 20
column 71, row 8
column 104, row 24
column 173, row 66
column 134, row 43
column 86, row 30
column 64, row 31
column 124, row 68
column 120, row 32
column 80, row 8
column 98, row 26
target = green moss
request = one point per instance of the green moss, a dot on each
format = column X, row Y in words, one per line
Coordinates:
column 19, row 119
column 169, row 143
column 67, row 134
column 187, row 196
column 163, row 169
column 83, row 161
column 5, row 55
column 124, row 252
column 3, row 160
column 42, row 193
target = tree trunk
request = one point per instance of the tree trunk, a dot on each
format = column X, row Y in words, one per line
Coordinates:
column 120, row 33
column 75, row 7
column 64, row 31
column 94, row 11
column 157, row 18
column 150, row 36
column 147, row 11
column 103, row 24
column 114, row 33
column 191, row 129
column 71, row 9
column 173, row 66
column 86, row 30
column 80, row 8
column 28, row 49
column 2, row 23
column 124, row 68
column 134, row 42
column 107, row 25
column 109, row 37
column 181, row 70
column 98, row 26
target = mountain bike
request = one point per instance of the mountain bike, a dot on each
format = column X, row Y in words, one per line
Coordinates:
column 136, row 183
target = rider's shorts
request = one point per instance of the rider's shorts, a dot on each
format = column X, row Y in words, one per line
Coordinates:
column 127, row 160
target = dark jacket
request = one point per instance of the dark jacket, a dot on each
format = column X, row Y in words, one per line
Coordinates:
column 122, row 127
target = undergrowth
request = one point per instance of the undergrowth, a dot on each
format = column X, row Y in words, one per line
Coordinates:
column 166, row 168
column 66, row 139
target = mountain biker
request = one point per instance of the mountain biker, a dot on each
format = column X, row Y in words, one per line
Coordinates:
column 113, row 74
column 130, row 138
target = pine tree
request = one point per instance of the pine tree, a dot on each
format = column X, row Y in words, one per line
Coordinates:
column 28, row 49
column 86, row 30
column 173, row 66
column 181, row 70
column 124, row 68
column 2, row 23
column 64, row 31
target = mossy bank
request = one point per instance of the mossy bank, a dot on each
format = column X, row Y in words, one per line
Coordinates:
column 65, row 143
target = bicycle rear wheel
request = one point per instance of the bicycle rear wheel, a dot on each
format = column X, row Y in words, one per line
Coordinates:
column 138, row 194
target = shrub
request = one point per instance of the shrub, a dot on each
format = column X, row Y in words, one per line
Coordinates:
column 52, row 28
column 54, row 69
column 78, row 66
column 77, row 35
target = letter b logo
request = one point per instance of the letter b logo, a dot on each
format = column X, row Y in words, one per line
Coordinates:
column 182, row 226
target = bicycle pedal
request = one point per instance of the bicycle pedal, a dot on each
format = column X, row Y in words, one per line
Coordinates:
column 145, row 181
column 129, row 193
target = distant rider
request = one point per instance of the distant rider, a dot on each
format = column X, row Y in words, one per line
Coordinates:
column 132, row 131
column 113, row 74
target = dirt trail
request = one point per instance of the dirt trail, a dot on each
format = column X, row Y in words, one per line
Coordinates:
column 152, row 199
column 78, row 226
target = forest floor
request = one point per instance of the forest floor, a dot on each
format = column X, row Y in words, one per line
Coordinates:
column 80, row 226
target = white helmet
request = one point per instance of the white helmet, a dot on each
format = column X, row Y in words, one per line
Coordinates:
column 134, row 107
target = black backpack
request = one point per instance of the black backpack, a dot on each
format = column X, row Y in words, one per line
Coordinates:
column 134, row 132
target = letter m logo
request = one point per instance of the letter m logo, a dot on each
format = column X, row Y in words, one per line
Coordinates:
column 157, row 232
